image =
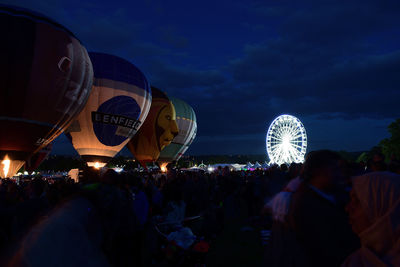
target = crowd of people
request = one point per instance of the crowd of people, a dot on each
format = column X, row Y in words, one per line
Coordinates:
column 325, row 212
column 337, row 214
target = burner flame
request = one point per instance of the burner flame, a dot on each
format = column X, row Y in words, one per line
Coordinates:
column 6, row 162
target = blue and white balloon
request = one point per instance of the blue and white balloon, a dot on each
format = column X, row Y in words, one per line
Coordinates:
column 118, row 105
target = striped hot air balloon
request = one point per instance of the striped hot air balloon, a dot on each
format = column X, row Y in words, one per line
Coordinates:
column 157, row 132
column 118, row 104
column 186, row 120
column 46, row 76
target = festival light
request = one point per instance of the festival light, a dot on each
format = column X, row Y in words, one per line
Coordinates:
column 118, row 169
column 163, row 166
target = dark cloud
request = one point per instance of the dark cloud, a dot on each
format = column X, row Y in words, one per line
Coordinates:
column 174, row 77
column 324, row 63
column 346, row 88
column 333, row 64
column 170, row 35
column 325, row 60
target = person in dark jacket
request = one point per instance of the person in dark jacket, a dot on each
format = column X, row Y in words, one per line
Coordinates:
column 317, row 214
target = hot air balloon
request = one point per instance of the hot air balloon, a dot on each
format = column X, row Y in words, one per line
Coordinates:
column 157, row 131
column 118, row 104
column 46, row 79
column 34, row 162
column 186, row 119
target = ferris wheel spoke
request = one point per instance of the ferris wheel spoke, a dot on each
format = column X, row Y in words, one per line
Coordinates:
column 276, row 142
column 297, row 146
column 293, row 129
column 280, row 132
column 277, row 134
column 294, row 153
column 274, row 147
column 274, row 155
column 295, row 142
column 279, row 156
column 276, row 138
column 295, row 133
column 297, row 136
column 278, row 152
column 288, row 157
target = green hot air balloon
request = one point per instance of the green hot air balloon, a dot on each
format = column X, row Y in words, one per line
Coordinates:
column 187, row 125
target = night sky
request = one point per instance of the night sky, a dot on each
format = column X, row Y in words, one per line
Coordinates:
column 333, row 64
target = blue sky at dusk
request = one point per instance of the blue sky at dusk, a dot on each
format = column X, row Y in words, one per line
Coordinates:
column 333, row 64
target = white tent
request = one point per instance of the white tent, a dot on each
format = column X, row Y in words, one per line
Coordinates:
column 222, row 165
column 265, row 165
column 238, row 167
column 194, row 169
column 203, row 166
column 249, row 165
column 257, row 165
column 231, row 166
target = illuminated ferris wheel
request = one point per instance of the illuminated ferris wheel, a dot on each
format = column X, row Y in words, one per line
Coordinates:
column 286, row 140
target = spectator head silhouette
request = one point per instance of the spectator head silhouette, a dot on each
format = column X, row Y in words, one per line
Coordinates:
column 322, row 170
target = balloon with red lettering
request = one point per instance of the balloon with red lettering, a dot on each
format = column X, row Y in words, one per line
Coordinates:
column 46, row 77
column 158, row 130
column 118, row 104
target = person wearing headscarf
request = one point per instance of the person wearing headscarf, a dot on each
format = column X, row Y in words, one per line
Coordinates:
column 374, row 213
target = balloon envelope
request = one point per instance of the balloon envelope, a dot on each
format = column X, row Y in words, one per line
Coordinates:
column 186, row 120
column 158, row 130
column 34, row 162
column 117, row 106
column 46, row 77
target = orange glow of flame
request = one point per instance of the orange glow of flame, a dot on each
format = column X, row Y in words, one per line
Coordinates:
column 6, row 162
column 163, row 169
column 96, row 165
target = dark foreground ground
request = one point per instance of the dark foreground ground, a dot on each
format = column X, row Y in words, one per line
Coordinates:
column 239, row 244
